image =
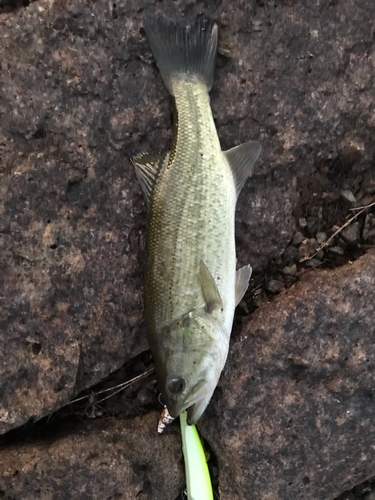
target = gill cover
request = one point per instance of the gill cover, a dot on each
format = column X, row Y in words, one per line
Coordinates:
column 194, row 351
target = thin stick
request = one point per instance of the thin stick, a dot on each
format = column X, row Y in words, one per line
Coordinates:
column 124, row 385
column 120, row 387
column 258, row 287
column 364, row 207
column 326, row 243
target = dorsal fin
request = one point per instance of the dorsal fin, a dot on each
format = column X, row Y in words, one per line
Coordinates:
column 147, row 168
column 242, row 282
column 209, row 289
column 241, row 160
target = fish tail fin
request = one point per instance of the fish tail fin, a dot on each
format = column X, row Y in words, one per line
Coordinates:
column 183, row 52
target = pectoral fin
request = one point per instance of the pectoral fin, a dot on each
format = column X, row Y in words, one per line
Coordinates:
column 147, row 168
column 242, row 282
column 241, row 160
column 209, row 289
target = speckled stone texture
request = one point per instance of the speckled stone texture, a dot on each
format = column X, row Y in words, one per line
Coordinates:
column 108, row 459
column 294, row 413
column 72, row 216
column 77, row 78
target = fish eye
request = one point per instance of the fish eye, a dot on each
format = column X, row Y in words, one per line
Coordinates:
column 176, row 385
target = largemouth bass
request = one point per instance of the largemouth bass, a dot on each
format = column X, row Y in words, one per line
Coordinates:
column 191, row 285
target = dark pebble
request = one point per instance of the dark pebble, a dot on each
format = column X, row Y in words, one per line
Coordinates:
column 291, row 255
column 351, row 233
column 298, row 239
column 313, row 225
column 337, row 250
column 275, row 286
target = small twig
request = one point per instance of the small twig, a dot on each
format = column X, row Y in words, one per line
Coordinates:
column 364, row 207
column 124, row 385
column 326, row 243
column 258, row 287
column 120, row 387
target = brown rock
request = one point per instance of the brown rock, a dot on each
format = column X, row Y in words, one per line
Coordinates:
column 108, row 458
column 294, row 413
column 77, row 78
column 73, row 219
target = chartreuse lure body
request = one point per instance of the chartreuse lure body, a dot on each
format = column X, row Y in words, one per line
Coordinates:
column 198, row 481
column 191, row 286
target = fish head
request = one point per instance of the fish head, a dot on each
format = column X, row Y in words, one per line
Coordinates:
column 190, row 356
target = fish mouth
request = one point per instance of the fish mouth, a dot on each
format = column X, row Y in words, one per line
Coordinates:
column 194, row 407
column 197, row 406
column 196, row 410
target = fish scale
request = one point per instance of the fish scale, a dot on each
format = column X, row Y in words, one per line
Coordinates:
column 193, row 202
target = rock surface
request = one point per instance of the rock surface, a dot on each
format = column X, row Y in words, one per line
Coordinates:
column 108, row 459
column 78, row 82
column 294, row 413
column 76, row 77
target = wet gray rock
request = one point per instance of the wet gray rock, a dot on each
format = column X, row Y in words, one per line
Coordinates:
column 291, row 255
column 298, row 238
column 321, row 237
column 293, row 415
column 312, row 225
column 351, row 233
column 107, row 458
column 348, row 196
column 302, row 222
column 369, row 228
column 313, row 262
column 370, row 496
column 290, row 270
column 337, row 250
column 275, row 286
